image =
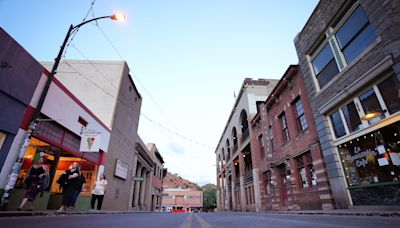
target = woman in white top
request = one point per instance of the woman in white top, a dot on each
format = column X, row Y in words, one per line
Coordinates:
column 98, row 192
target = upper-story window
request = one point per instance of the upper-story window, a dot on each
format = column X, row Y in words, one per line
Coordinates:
column 345, row 40
column 228, row 150
column 324, row 65
column 382, row 99
column 261, row 144
column 285, row 130
column 271, row 138
column 300, row 116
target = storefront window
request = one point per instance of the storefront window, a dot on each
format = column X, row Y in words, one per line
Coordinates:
column 337, row 123
column 373, row 158
column 88, row 170
column 370, row 103
column 35, row 150
column 390, row 91
column 352, row 118
column 58, row 161
column 306, row 171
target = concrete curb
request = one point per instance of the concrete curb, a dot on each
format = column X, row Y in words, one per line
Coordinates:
column 331, row 212
column 55, row 213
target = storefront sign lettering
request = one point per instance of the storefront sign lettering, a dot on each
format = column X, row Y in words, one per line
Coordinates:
column 363, row 154
column 362, row 162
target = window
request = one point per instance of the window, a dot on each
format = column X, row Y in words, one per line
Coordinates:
column 271, row 138
column 344, row 41
column 308, row 177
column 2, row 139
column 390, row 91
column 82, row 121
column 378, row 98
column 324, row 65
column 372, row 158
column 370, row 103
column 337, row 123
column 285, row 130
column 352, row 118
column 355, row 35
column 261, row 144
column 301, row 118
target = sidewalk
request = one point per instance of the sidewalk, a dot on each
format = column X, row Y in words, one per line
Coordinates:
column 345, row 212
column 54, row 213
column 389, row 212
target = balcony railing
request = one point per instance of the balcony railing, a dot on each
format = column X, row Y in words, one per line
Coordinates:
column 245, row 135
column 237, row 183
column 248, row 177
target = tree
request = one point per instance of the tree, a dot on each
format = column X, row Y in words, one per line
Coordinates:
column 209, row 199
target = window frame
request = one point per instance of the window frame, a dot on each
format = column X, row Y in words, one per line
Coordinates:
column 271, row 138
column 360, row 109
column 3, row 137
column 284, row 128
column 330, row 38
column 302, row 115
column 307, row 165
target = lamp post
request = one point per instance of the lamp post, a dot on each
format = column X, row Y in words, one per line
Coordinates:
column 12, row 178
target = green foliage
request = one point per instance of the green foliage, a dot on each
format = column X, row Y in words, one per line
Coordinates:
column 209, row 198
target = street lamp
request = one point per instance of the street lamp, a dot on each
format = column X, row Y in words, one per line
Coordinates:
column 32, row 126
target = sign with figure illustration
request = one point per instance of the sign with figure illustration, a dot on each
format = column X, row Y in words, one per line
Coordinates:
column 90, row 142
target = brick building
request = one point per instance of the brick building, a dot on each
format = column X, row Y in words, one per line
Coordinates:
column 157, row 178
column 182, row 200
column 349, row 53
column 237, row 179
column 286, row 150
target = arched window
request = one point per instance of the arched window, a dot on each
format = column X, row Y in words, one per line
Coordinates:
column 234, row 139
column 228, row 150
column 244, row 125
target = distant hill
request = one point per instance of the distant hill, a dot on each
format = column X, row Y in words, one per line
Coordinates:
column 209, row 186
column 175, row 181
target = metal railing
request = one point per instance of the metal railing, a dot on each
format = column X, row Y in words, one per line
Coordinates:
column 237, row 183
column 248, row 177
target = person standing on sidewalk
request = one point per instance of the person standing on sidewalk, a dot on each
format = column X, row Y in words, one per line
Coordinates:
column 70, row 187
column 33, row 183
column 98, row 192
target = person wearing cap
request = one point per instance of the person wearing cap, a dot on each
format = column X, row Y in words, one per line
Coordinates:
column 33, row 182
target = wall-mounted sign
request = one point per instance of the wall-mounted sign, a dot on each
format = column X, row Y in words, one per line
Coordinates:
column 121, row 169
column 90, row 142
column 137, row 178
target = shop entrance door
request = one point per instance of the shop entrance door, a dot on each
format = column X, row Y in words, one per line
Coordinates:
column 283, row 186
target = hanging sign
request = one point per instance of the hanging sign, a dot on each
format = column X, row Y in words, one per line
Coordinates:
column 90, row 142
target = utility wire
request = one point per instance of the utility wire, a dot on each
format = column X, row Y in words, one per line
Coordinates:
column 137, row 79
column 157, row 124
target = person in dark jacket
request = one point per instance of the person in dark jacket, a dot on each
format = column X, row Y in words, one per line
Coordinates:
column 70, row 187
column 33, row 182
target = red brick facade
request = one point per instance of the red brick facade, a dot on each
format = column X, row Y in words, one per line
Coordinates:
column 285, row 149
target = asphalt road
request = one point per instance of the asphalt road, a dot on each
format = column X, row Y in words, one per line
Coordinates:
column 199, row 220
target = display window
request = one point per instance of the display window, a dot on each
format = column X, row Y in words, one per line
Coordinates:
column 88, row 169
column 58, row 161
column 374, row 158
column 35, row 150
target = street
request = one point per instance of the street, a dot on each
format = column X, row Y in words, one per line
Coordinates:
column 200, row 220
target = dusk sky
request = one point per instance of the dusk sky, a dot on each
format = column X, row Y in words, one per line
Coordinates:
column 187, row 58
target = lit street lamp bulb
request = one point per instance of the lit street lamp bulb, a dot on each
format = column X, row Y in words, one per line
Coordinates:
column 118, row 17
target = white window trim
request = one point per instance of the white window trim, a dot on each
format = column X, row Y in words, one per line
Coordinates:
column 339, row 57
column 361, row 113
